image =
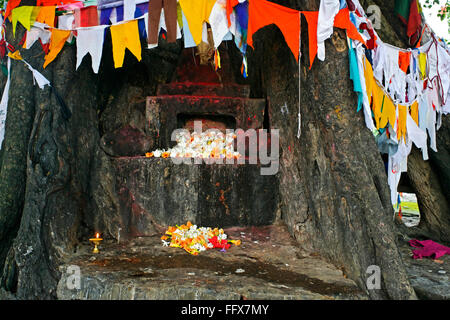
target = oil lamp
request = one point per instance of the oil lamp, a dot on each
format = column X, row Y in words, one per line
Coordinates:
column 96, row 242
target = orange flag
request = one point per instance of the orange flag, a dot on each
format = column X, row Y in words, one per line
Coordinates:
column 57, row 41
column 262, row 13
column 404, row 59
column 11, row 5
column 47, row 15
column 229, row 8
column 342, row 21
column 312, row 18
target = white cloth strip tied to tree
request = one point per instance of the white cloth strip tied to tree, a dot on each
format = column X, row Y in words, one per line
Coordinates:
column 327, row 11
column 37, row 32
column 4, row 103
column 430, row 63
column 38, row 79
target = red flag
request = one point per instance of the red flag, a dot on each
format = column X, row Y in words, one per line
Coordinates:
column 262, row 13
column 371, row 43
column 404, row 59
column 11, row 5
column 415, row 20
column 86, row 17
column 230, row 5
column 312, row 17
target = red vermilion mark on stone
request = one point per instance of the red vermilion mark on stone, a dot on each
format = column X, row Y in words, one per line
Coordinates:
column 222, row 200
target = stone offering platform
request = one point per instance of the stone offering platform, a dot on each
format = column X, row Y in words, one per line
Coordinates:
column 269, row 264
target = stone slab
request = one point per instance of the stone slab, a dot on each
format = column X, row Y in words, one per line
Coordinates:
column 156, row 190
column 274, row 267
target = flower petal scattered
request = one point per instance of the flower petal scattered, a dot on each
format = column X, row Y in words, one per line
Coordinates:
column 195, row 239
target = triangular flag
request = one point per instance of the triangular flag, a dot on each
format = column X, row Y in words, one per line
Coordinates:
column 15, row 55
column 378, row 97
column 36, row 32
column 262, row 13
column 57, row 41
column 388, row 113
column 401, row 132
column 129, row 7
column 10, row 6
column 90, row 40
column 404, row 59
column 402, row 8
column 342, row 21
column 229, row 9
column 368, row 76
column 123, row 36
column 312, row 17
column 47, row 15
column 423, row 65
column 26, row 15
column 196, row 13
column 415, row 19
column 415, row 112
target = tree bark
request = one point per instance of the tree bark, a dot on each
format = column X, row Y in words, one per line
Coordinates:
column 20, row 116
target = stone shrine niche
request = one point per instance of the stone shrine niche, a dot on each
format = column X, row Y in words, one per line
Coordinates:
column 220, row 122
column 156, row 191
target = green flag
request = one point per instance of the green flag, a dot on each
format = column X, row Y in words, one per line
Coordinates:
column 402, row 9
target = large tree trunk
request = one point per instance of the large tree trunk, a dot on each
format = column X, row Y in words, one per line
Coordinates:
column 334, row 195
column 332, row 184
column 14, row 150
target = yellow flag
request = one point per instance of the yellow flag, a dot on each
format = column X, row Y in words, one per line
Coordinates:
column 26, row 15
column 368, row 76
column 196, row 13
column 401, row 131
column 378, row 96
column 15, row 55
column 125, row 36
column 388, row 113
column 423, row 65
column 415, row 112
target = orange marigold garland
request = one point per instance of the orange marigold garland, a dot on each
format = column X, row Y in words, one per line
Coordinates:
column 195, row 240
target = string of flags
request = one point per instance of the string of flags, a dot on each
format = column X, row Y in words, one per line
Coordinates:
column 55, row 22
column 403, row 93
column 38, row 79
